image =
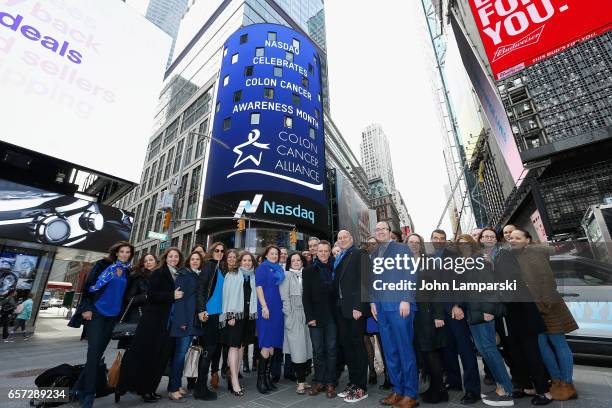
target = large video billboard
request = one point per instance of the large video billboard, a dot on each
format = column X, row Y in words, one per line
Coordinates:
column 270, row 163
column 518, row 33
column 31, row 214
column 491, row 105
column 353, row 213
column 79, row 81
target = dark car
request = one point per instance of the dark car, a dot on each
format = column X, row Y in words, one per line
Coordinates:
column 586, row 286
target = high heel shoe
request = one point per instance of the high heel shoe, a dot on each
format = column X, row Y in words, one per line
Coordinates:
column 148, row 398
column 238, row 393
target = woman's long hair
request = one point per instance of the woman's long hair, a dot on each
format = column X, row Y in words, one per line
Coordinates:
column 162, row 261
column 114, row 250
column 470, row 241
column 268, row 248
column 225, row 266
column 140, row 271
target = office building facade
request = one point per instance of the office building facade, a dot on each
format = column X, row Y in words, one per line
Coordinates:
column 167, row 15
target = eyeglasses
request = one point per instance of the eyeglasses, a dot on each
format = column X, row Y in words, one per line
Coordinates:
column 219, row 251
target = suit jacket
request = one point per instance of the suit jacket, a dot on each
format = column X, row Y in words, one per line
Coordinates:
column 388, row 300
column 318, row 296
column 348, row 282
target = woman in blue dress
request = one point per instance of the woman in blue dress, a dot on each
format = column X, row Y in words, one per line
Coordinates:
column 270, row 320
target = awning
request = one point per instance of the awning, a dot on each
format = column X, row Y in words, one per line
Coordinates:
column 59, row 285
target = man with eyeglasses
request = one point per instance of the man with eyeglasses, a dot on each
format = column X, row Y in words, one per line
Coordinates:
column 394, row 312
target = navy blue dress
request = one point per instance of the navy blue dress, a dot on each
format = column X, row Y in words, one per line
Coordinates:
column 270, row 331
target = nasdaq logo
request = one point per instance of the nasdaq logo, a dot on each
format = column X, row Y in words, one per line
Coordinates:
column 295, row 211
column 248, row 206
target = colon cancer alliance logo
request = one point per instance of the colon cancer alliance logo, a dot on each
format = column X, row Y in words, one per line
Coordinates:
column 271, row 207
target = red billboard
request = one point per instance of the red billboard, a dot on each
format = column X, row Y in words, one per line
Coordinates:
column 518, row 33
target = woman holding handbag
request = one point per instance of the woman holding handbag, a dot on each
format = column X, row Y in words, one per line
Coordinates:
column 209, row 307
column 184, row 324
column 144, row 363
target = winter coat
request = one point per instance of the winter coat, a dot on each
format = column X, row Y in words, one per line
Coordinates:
column 297, row 336
column 185, row 308
column 428, row 336
column 539, row 278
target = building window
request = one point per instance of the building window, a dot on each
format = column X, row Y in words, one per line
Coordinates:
column 181, row 198
column 237, row 96
column 288, row 122
column 155, row 147
column 189, row 148
column 259, row 52
column 171, row 132
column 271, row 36
column 311, row 133
column 153, row 250
column 192, row 199
column 295, row 99
column 226, row 80
column 143, row 183
column 160, row 172
column 152, row 177
column 152, row 210
column 179, row 156
column 169, row 162
column 255, row 118
column 227, row 123
column 174, row 242
column 248, row 71
column 196, row 110
column 289, row 56
column 218, row 107
column 143, row 218
column 244, row 38
column 224, row 51
column 186, row 244
column 269, row 93
column 202, row 130
column 235, row 58
column 305, row 82
column 296, row 44
column 278, row 72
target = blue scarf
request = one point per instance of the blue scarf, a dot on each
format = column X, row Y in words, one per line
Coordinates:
column 109, row 273
column 279, row 273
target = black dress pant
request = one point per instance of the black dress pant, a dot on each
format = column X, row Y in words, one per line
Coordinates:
column 350, row 333
column 527, row 362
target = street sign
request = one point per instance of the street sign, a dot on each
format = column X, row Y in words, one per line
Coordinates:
column 165, row 200
column 163, row 245
column 157, row 235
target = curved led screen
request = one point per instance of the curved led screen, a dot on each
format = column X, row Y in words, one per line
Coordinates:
column 270, row 162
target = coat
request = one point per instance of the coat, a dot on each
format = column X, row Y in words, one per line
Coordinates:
column 428, row 336
column 87, row 299
column 144, row 363
column 317, row 297
column 522, row 318
column 138, row 287
column 389, row 300
column 349, row 282
column 539, row 278
column 185, row 308
column 297, row 336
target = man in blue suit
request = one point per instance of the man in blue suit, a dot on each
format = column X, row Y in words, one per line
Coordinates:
column 394, row 312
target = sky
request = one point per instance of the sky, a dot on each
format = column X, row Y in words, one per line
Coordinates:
column 379, row 73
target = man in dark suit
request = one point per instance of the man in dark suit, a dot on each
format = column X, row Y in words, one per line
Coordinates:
column 351, row 313
column 460, row 341
column 318, row 303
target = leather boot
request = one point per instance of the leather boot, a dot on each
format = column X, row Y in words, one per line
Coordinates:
column 245, row 361
column 563, row 391
column 267, row 380
column 391, row 399
column 555, row 389
column 261, row 374
column 201, row 391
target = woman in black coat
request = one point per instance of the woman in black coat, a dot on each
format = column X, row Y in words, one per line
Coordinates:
column 136, row 294
column 430, row 333
column 144, row 363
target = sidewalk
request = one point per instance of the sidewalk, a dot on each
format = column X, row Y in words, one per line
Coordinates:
column 55, row 343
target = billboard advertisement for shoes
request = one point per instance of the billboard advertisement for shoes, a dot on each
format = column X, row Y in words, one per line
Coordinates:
column 269, row 159
column 35, row 215
column 77, row 88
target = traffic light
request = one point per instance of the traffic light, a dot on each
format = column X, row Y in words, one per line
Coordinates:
column 241, row 225
column 167, row 219
column 293, row 236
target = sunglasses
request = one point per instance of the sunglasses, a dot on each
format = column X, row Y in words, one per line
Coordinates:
column 219, row 250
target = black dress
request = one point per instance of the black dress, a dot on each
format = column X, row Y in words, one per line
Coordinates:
column 144, row 363
column 136, row 299
column 242, row 333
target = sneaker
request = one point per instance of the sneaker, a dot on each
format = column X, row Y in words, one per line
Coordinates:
column 357, row 394
column 495, row 400
column 346, row 391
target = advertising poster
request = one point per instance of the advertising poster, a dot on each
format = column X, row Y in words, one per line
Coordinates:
column 517, row 33
column 353, row 213
column 270, row 162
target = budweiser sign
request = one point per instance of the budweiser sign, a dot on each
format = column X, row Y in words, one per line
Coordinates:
column 514, row 35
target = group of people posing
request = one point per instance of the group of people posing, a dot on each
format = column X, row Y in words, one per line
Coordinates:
column 315, row 313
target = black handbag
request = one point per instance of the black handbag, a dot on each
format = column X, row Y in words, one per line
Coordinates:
column 123, row 329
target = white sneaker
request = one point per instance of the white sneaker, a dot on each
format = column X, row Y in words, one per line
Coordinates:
column 357, row 394
column 346, row 391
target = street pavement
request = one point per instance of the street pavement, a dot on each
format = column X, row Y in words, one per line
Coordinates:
column 54, row 343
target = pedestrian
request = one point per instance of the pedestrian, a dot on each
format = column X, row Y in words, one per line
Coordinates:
column 481, row 312
column 313, row 246
column 101, row 301
column 24, row 312
column 296, row 343
column 351, row 313
column 7, row 310
column 307, row 256
column 184, row 325
column 396, row 236
column 538, row 275
column 475, row 233
column 209, row 307
column 395, row 318
column 279, row 356
column 523, row 325
column 319, row 302
column 270, row 323
column 136, row 295
column 459, row 339
column 146, row 360
column 284, row 254
column 229, row 264
column 239, row 314
column 430, row 333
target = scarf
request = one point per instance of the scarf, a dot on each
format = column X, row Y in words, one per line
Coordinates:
column 296, row 290
column 109, row 273
column 279, row 273
column 233, row 296
column 173, row 272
